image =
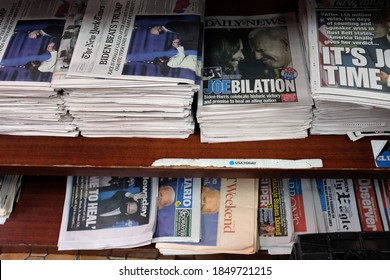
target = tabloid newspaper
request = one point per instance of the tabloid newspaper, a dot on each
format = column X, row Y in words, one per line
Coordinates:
column 108, row 212
column 247, row 77
column 382, row 189
column 370, row 217
column 348, row 48
column 275, row 213
column 228, row 221
column 178, row 211
column 338, row 205
column 139, row 40
column 30, row 34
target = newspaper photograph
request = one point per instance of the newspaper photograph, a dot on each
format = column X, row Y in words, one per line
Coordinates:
column 140, row 40
column 275, row 212
column 178, row 210
column 228, row 221
column 338, row 203
column 254, row 59
column 30, row 35
column 101, row 212
column 349, row 47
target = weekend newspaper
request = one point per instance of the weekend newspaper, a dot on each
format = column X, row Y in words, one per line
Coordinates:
column 122, row 39
column 229, row 219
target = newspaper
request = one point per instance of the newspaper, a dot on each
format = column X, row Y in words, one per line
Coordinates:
column 275, row 213
column 370, row 217
column 229, row 219
column 126, row 39
column 10, row 186
column 348, row 50
column 382, row 189
column 338, row 204
column 250, row 78
column 302, row 205
column 108, row 212
column 178, row 211
column 30, row 34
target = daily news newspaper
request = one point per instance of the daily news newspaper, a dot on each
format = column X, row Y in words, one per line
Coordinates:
column 349, row 47
column 229, row 219
column 108, row 212
column 382, row 189
column 251, row 78
column 140, row 40
column 339, row 209
column 178, row 213
column 30, row 34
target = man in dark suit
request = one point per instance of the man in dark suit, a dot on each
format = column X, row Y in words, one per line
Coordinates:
column 187, row 32
column 52, row 31
column 121, row 208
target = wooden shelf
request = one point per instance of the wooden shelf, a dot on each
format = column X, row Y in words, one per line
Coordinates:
column 135, row 156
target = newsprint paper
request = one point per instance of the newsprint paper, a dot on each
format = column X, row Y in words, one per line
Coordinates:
column 178, row 213
column 229, row 219
column 30, row 35
column 129, row 39
column 247, row 77
column 349, row 48
column 108, row 212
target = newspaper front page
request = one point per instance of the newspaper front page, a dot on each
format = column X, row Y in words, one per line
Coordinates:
column 349, row 48
column 250, row 76
column 228, row 221
column 275, row 213
column 139, row 40
column 30, row 34
column 108, row 212
column 178, row 214
column 338, row 204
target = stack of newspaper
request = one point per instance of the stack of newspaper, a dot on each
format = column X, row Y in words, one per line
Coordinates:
column 108, row 212
column 10, row 186
column 347, row 48
column 228, row 220
column 134, row 69
column 29, row 44
column 352, row 204
column 255, row 80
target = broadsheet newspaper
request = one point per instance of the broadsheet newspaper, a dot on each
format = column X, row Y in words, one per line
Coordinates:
column 178, row 211
column 369, row 212
column 229, row 219
column 338, row 205
column 108, row 212
column 30, row 34
column 275, row 214
column 138, row 40
column 348, row 48
column 247, row 77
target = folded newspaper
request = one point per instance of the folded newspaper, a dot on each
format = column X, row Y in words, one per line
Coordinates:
column 108, row 212
column 178, row 210
column 228, row 222
column 139, row 40
column 348, row 50
column 276, row 227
